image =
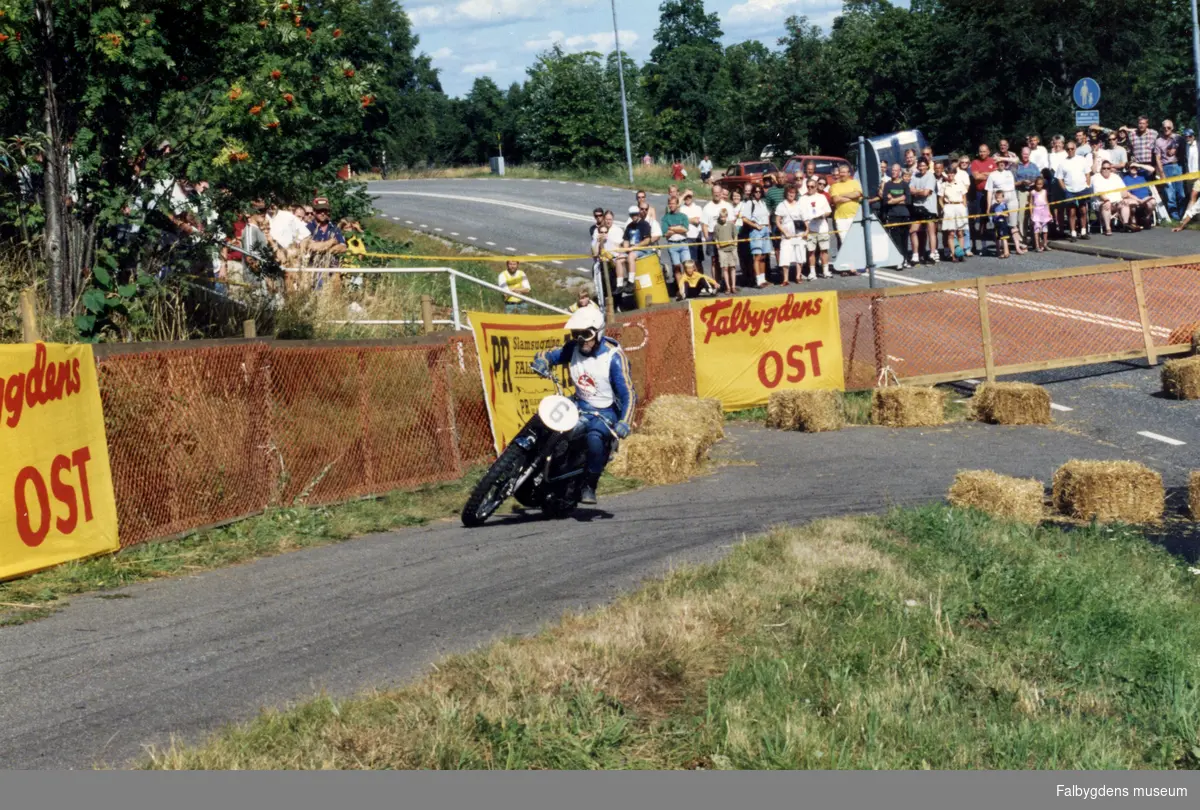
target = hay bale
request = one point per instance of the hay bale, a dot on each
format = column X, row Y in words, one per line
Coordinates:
column 1012, row 403
column 908, row 406
column 781, row 410
column 658, row 459
column 817, row 411
column 688, row 417
column 1181, row 378
column 1194, row 495
column 1000, row 495
column 1109, row 490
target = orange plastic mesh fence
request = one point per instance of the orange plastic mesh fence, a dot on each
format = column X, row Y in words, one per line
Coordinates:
column 1172, row 302
column 930, row 333
column 860, row 339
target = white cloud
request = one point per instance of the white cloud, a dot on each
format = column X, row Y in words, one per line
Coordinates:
column 442, row 53
column 473, row 13
column 757, row 13
column 481, row 68
column 602, row 42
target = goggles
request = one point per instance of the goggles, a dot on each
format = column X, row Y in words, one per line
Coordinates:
column 583, row 334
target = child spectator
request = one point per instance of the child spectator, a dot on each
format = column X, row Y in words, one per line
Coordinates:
column 999, row 212
column 1040, row 199
column 692, row 284
column 725, row 234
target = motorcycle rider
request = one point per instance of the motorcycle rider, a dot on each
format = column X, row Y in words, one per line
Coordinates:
column 603, row 388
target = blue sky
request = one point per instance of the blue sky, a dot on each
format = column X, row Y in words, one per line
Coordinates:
column 501, row 38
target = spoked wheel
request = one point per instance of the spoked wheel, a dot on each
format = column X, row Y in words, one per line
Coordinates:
column 494, row 488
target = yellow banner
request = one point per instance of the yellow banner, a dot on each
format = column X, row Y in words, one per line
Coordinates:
column 507, row 345
column 56, row 492
column 748, row 347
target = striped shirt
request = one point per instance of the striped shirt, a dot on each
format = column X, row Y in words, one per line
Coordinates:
column 1142, row 145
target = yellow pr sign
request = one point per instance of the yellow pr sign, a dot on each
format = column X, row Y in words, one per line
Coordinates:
column 56, row 492
column 507, row 345
column 748, row 347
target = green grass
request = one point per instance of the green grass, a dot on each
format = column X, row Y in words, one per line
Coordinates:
column 650, row 178
column 274, row 532
column 924, row 638
column 858, row 409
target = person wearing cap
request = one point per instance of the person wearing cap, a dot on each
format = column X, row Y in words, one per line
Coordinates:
column 634, row 241
column 324, row 236
column 513, row 280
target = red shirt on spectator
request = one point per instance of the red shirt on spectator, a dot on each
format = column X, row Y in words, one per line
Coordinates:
column 979, row 170
column 677, row 170
column 239, row 228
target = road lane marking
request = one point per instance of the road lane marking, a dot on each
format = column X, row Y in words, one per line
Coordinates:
column 408, row 222
column 493, row 244
column 490, row 201
column 1159, row 438
column 472, row 238
column 514, row 250
column 454, row 233
column 439, row 230
column 555, row 261
column 1058, row 407
column 422, row 225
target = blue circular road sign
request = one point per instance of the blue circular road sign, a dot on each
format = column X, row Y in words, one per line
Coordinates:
column 1086, row 94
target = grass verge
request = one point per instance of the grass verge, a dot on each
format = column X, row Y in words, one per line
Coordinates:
column 650, row 178
column 926, row 638
column 265, row 535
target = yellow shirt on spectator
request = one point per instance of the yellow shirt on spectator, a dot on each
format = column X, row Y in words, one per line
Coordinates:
column 846, row 210
column 514, row 282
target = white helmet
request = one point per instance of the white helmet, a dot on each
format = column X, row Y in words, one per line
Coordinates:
column 586, row 323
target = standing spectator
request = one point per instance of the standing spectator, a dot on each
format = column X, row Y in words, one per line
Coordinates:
column 1082, row 148
column 647, row 160
column 964, row 179
column 1075, row 179
column 642, row 203
column 725, row 236
column 895, row 205
column 675, row 227
column 1038, row 155
column 1002, row 180
column 1118, row 155
column 712, row 211
column 981, row 168
column 1058, row 155
column 910, row 163
column 1141, row 142
column 846, row 195
column 1110, row 193
column 635, row 240
column 1005, row 152
column 927, row 153
column 815, row 211
column 695, row 216
column 1167, row 149
column 598, row 216
column 758, row 220
column 1193, row 157
column 953, row 196
column 1024, row 176
column 677, row 170
column 773, row 194
column 1040, row 216
column 923, row 192
column 999, row 211
column 874, row 199
column 741, row 234
column 705, row 170
column 514, row 280
column 790, row 216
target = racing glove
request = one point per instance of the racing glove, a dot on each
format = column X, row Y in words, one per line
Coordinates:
column 622, row 430
column 540, row 366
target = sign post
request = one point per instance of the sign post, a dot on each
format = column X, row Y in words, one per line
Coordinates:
column 1086, row 95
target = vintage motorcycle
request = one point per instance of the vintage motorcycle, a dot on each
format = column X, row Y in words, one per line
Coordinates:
column 542, row 467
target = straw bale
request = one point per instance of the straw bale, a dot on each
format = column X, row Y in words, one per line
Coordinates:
column 1000, row 495
column 1109, row 490
column 908, row 406
column 1181, row 378
column 658, row 459
column 1194, row 495
column 781, row 410
column 688, row 417
column 1012, row 403
column 820, row 410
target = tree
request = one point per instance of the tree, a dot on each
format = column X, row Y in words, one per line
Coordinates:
column 683, row 68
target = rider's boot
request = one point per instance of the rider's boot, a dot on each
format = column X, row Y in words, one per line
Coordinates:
column 589, row 488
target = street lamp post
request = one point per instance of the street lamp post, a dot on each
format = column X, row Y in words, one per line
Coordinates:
column 1196, row 56
column 621, row 76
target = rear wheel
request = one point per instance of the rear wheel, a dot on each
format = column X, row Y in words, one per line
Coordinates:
column 562, row 503
column 495, row 487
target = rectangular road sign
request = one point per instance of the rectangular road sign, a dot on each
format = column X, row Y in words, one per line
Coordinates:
column 1085, row 118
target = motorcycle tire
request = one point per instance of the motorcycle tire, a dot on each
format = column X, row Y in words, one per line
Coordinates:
column 490, row 493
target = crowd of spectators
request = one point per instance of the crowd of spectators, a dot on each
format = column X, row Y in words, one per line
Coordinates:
column 946, row 209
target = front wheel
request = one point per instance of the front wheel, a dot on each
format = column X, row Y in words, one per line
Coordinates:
column 495, row 487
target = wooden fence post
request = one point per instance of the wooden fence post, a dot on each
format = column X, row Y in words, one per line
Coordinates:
column 29, row 329
column 985, row 327
column 427, row 314
column 1140, row 291
column 249, row 329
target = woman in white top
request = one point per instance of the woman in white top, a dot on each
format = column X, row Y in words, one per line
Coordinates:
column 1058, row 154
column 758, row 219
column 790, row 216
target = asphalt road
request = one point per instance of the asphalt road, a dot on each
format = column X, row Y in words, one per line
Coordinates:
column 552, row 217
column 106, row 676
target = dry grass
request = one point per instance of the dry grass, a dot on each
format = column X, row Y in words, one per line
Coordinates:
column 1125, row 491
column 1194, row 495
column 1012, row 403
column 908, row 406
column 1018, row 499
column 1181, row 378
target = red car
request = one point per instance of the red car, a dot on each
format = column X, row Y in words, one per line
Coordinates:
column 823, row 166
column 750, row 171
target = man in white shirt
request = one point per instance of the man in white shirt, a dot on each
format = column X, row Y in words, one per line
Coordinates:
column 1110, row 191
column 708, row 222
column 1038, row 155
column 1193, row 157
column 287, row 229
column 705, row 169
column 923, row 187
column 1074, row 177
column 815, row 211
column 695, row 215
column 1003, row 180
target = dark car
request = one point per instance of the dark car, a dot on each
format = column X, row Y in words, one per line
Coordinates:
column 749, row 171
